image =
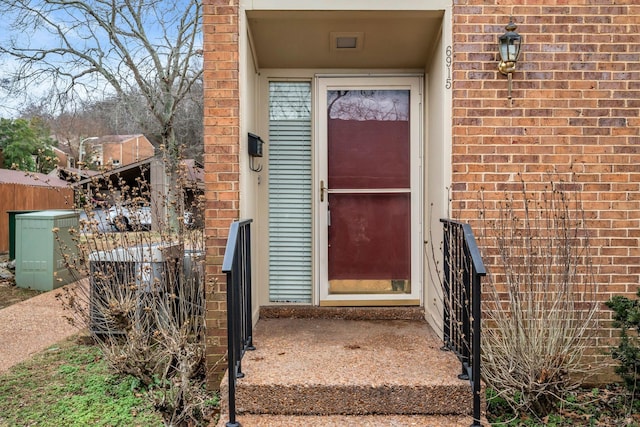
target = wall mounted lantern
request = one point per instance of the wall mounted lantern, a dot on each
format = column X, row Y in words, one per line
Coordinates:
column 510, row 43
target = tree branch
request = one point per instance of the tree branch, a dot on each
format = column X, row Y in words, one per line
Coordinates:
column 148, row 47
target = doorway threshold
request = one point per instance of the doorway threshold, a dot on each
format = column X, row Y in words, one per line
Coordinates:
column 346, row 313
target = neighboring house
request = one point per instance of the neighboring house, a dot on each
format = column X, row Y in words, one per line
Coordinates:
column 64, row 158
column 29, row 191
column 117, row 150
column 380, row 118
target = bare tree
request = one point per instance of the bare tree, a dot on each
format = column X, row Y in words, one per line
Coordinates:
column 88, row 48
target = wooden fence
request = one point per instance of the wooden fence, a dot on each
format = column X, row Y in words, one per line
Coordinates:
column 17, row 197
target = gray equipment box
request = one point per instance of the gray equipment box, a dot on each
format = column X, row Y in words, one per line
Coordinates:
column 132, row 278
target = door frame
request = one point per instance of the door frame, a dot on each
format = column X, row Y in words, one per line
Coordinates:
column 413, row 83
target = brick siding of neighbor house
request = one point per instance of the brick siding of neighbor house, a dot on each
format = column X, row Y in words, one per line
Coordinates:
column 128, row 151
column 221, row 163
column 575, row 110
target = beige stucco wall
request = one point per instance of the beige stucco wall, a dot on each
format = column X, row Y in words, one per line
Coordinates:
column 437, row 170
column 252, row 188
column 253, row 118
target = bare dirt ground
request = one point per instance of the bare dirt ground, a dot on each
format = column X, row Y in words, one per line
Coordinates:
column 9, row 292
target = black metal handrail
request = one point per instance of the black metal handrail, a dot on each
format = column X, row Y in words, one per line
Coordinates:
column 237, row 266
column 463, row 270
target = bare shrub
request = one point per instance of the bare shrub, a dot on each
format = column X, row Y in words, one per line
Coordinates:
column 539, row 304
column 144, row 300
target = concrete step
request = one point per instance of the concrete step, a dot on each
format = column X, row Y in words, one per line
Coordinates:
column 343, row 367
column 317, row 399
column 247, row 420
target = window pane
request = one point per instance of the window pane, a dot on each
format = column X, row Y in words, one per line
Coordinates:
column 368, row 139
column 369, row 242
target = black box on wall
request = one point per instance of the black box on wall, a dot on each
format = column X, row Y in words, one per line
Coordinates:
column 255, row 145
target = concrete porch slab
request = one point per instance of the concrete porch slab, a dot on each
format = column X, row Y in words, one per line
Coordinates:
column 315, row 366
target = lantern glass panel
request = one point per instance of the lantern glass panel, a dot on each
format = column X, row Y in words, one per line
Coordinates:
column 510, row 46
column 504, row 49
column 514, row 49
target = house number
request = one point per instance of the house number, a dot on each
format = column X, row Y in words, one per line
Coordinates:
column 448, row 83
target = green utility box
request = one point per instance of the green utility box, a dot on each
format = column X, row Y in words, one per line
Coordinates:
column 39, row 262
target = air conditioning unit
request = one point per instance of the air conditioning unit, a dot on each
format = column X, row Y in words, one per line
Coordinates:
column 126, row 285
column 192, row 288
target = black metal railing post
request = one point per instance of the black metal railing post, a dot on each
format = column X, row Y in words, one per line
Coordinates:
column 246, row 289
column 462, row 292
column 237, row 266
column 476, row 386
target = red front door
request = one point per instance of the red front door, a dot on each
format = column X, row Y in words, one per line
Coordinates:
column 368, row 194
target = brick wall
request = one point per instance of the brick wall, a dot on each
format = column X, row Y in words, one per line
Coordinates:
column 221, row 130
column 127, row 152
column 575, row 109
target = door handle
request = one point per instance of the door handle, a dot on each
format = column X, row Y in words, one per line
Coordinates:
column 322, row 190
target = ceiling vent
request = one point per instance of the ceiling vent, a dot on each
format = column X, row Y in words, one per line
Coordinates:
column 343, row 42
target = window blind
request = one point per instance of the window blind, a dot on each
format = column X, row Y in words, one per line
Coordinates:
column 290, row 245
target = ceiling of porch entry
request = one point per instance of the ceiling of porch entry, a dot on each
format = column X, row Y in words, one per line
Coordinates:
column 303, row 39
